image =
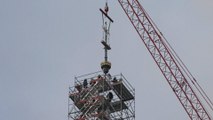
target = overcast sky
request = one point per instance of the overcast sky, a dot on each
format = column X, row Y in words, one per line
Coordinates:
column 44, row 44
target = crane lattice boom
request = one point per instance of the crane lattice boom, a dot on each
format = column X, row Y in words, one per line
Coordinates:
column 170, row 68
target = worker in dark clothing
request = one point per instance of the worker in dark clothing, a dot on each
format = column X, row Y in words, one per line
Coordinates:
column 85, row 83
column 99, row 76
column 114, row 80
column 110, row 96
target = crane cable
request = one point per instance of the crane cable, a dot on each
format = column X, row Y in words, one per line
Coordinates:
column 183, row 66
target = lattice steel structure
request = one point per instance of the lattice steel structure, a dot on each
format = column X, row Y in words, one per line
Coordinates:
column 165, row 59
column 90, row 99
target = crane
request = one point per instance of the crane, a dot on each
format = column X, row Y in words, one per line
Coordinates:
column 172, row 68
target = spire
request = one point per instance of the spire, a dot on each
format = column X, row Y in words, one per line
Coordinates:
column 106, row 65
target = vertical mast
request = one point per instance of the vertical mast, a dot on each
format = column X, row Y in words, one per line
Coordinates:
column 106, row 65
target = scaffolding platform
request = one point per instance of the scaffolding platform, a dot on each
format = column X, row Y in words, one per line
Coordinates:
column 122, row 92
column 92, row 101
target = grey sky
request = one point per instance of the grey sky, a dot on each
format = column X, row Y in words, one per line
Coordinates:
column 45, row 43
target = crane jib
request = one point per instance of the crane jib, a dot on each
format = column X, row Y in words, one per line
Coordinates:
column 163, row 57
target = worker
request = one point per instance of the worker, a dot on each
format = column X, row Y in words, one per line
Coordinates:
column 109, row 96
column 85, row 83
column 92, row 82
column 78, row 87
column 99, row 76
column 114, row 80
